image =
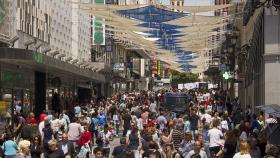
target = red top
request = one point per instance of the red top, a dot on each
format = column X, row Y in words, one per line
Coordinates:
column 85, row 138
column 42, row 117
column 31, row 120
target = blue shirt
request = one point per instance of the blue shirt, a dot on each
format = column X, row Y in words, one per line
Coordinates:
column 9, row 147
column 94, row 122
column 101, row 120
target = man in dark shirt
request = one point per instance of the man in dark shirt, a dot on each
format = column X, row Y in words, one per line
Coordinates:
column 54, row 151
column 126, row 122
column 47, row 134
column 118, row 151
column 26, row 131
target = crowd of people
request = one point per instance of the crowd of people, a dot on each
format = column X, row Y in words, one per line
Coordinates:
column 213, row 126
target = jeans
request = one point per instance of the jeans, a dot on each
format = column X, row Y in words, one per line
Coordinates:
column 117, row 128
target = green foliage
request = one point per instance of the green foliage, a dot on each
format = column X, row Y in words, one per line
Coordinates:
column 183, row 77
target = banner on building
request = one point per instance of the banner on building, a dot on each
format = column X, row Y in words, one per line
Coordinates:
column 98, row 31
column 159, row 68
column 99, row 1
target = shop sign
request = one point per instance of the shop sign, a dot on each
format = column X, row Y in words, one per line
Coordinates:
column 38, row 57
column 99, row 1
column 98, row 30
column 159, row 68
column 11, row 76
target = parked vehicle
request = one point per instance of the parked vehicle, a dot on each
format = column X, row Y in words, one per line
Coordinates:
column 176, row 101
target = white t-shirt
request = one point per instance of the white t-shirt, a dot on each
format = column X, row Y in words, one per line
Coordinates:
column 224, row 125
column 215, row 136
column 208, row 118
column 153, row 107
column 238, row 155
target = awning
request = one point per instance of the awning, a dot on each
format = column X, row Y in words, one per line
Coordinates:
column 42, row 62
column 272, row 109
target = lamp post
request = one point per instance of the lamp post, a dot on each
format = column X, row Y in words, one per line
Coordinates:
column 45, row 51
column 13, row 40
column 28, row 43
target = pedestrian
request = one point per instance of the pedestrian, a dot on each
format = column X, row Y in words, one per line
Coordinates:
column 177, row 137
column 66, row 146
column 118, row 151
column 244, row 151
column 133, row 141
column 197, row 152
column 176, row 155
column 24, row 149
column 36, row 148
column 27, row 131
column 126, row 122
column 74, row 131
column 187, row 145
column 215, row 137
column 54, row 151
column 47, row 134
column 9, row 147
column 230, row 144
column 99, row 152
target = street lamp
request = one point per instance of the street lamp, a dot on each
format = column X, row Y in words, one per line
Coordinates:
column 61, row 55
column 13, row 40
column 45, row 51
column 38, row 46
column 54, row 53
column 29, row 43
column 68, row 59
column 75, row 61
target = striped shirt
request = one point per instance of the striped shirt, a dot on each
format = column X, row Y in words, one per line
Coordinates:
column 177, row 138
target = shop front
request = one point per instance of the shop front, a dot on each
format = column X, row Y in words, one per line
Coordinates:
column 32, row 81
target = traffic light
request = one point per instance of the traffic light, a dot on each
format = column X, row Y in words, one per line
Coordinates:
column 226, row 75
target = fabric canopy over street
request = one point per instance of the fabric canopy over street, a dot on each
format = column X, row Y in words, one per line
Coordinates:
column 174, row 32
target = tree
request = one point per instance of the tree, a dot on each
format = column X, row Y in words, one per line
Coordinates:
column 183, row 77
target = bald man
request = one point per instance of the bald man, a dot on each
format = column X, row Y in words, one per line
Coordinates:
column 197, row 152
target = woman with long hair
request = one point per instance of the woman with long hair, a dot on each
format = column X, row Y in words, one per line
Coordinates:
column 244, row 151
column 36, row 148
column 230, row 144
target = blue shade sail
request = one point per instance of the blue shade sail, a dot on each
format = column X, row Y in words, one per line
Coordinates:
column 153, row 19
column 152, row 14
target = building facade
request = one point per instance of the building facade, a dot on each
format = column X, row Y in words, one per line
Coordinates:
column 260, row 54
column 61, row 26
column 81, row 33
